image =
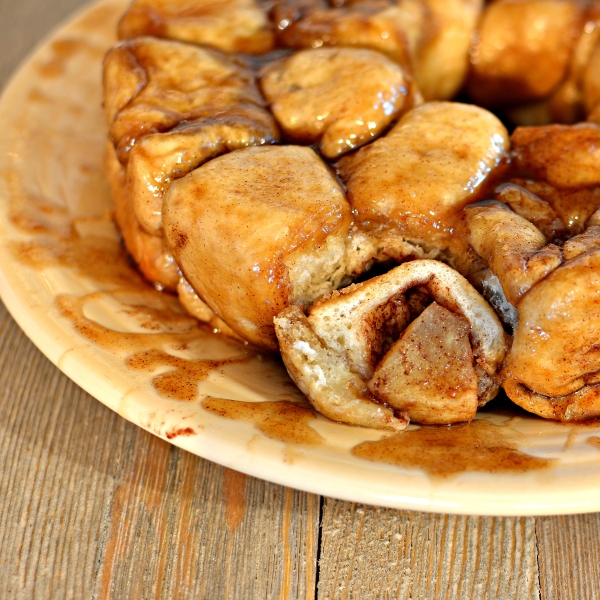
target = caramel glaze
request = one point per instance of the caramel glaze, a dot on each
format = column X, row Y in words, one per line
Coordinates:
column 32, row 214
column 97, row 259
column 36, row 97
column 103, row 261
column 182, row 382
column 185, row 431
column 144, row 351
column 282, row 420
column 594, row 441
column 446, row 451
column 62, row 51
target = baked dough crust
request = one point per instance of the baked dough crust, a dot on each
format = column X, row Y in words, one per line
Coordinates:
column 332, row 353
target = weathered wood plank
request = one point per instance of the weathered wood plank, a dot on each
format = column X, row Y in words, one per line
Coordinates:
column 206, row 532
column 24, row 23
column 569, row 557
column 91, row 505
column 375, row 553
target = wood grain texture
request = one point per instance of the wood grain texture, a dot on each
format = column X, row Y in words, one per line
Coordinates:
column 569, row 557
column 375, row 553
column 93, row 506
column 23, row 24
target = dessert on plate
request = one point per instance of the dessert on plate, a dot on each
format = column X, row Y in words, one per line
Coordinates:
column 301, row 174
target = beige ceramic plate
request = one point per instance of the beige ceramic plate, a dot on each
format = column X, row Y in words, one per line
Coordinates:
column 67, row 283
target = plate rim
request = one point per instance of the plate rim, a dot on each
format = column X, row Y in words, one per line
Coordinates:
column 295, row 475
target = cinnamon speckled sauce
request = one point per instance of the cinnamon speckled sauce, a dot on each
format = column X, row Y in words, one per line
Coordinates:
column 65, row 278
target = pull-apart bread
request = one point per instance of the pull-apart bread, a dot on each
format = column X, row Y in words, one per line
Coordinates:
column 296, row 172
column 431, row 37
column 170, row 107
column 229, row 25
column 415, row 343
column 313, row 96
column 408, row 188
column 257, row 230
column 540, row 238
column 537, row 61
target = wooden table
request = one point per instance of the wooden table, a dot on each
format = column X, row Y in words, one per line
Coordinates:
column 92, row 506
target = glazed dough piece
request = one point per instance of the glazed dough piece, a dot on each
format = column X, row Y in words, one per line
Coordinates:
column 522, row 50
column 442, row 61
column 159, row 159
column 563, row 87
column 514, row 249
column 229, row 25
column 591, row 74
column 529, row 206
column 553, row 189
column 148, row 251
column 170, row 107
column 342, row 354
column 199, row 309
column 414, row 181
column 563, row 156
column 152, row 85
column 577, row 94
column 432, row 37
column 257, row 230
column 582, row 243
column 340, row 98
column 394, row 27
column 559, row 163
column 553, row 368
